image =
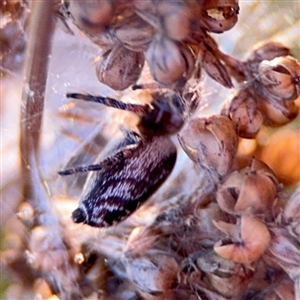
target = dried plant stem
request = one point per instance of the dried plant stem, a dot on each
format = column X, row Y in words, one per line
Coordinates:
column 48, row 233
column 37, row 55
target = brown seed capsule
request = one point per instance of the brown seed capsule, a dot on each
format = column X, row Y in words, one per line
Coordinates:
column 134, row 33
column 147, row 10
column 177, row 18
column 225, row 276
column 211, row 142
column 219, row 15
column 251, row 190
column 242, row 109
column 119, row 68
column 278, row 113
column 281, row 77
column 171, row 63
column 267, row 51
column 248, row 242
column 91, row 16
column 214, row 68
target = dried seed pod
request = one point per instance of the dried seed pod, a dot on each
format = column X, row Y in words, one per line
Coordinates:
column 91, row 16
column 281, row 77
column 177, row 18
column 252, row 189
column 219, row 15
column 173, row 19
column 250, row 240
column 267, row 51
column 211, row 142
column 225, row 276
column 209, row 57
column 285, row 251
column 134, row 33
column 152, row 274
column 242, row 109
column 119, row 68
column 278, row 113
column 171, row 63
column 214, row 68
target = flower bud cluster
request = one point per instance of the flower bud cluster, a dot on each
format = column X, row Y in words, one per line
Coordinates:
column 172, row 36
column 272, row 85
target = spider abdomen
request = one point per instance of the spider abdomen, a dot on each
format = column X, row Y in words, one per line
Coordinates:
column 113, row 194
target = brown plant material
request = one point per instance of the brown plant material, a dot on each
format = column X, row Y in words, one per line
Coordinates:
column 134, row 33
column 165, row 249
column 285, row 252
column 242, row 109
column 226, row 277
column 119, row 67
column 219, row 15
column 281, row 77
column 248, row 240
column 171, row 63
column 278, row 113
column 91, row 16
column 251, row 190
column 211, row 143
column 272, row 84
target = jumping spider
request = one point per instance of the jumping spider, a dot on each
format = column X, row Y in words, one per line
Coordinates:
column 139, row 165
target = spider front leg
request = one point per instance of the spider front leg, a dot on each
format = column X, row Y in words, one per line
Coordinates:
column 139, row 109
column 109, row 162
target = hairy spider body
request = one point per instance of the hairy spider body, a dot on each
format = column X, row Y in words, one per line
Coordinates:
column 138, row 165
column 114, row 193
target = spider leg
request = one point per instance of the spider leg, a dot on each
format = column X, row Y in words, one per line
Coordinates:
column 81, row 169
column 116, row 158
column 139, row 109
